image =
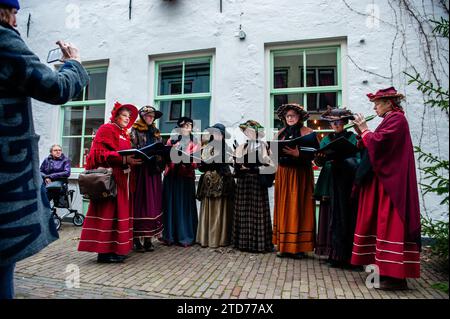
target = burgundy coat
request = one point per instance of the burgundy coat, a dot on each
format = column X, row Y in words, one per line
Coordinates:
column 391, row 154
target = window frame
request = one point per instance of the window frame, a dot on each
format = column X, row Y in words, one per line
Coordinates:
column 83, row 103
column 302, row 51
column 157, row 98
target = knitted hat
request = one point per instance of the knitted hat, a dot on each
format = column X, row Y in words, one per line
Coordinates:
column 10, row 3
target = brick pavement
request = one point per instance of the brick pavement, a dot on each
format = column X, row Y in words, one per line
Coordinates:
column 195, row 272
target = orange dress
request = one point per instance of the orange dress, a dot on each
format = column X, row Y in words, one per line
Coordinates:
column 293, row 216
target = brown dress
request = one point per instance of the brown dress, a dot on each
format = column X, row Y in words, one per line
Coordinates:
column 215, row 191
column 293, row 217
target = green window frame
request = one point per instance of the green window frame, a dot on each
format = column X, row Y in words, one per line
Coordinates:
column 83, row 104
column 302, row 88
column 182, row 97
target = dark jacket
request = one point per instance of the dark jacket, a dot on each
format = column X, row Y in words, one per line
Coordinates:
column 25, row 219
column 55, row 168
column 142, row 135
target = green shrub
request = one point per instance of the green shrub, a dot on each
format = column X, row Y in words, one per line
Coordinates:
column 438, row 231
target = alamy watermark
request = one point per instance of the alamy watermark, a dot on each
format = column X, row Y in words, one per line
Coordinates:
column 373, row 19
column 373, row 279
column 268, row 158
column 73, row 16
column 73, row 276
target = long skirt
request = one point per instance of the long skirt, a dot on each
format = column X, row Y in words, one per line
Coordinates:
column 180, row 217
column 323, row 243
column 252, row 227
column 214, row 229
column 380, row 235
column 293, row 217
column 343, row 211
column 108, row 226
column 148, row 205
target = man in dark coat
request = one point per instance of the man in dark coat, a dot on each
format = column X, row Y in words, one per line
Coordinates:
column 26, row 225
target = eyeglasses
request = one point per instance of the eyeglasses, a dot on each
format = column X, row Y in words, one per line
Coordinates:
column 56, row 150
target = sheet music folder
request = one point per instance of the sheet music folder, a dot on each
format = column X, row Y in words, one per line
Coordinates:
column 145, row 153
column 340, row 148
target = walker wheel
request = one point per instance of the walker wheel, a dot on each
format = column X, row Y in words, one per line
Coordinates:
column 78, row 220
column 57, row 222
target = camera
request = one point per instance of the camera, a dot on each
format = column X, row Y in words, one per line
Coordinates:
column 54, row 55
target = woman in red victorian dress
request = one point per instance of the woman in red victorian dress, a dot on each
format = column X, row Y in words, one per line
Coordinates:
column 388, row 223
column 108, row 228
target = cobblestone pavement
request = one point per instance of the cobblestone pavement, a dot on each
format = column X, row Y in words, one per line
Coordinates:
column 195, row 272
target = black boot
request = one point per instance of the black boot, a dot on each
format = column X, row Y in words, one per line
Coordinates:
column 118, row 258
column 138, row 246
column 390, row 283
column 298, row 255
column 148, row 246
column 110, row 258
column 336, row 264
column 103, row 258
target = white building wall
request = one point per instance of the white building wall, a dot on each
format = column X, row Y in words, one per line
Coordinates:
column 103, row 31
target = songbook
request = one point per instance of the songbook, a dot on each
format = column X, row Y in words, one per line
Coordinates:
column 179, row 156
column 307, row 144
column 147, row 152
column 340, row 148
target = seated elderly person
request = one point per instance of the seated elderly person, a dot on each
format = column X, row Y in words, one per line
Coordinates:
column 55, row 171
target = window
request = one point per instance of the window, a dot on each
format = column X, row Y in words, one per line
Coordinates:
column 183, row 88
column 310, row 77
column 82, row 116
